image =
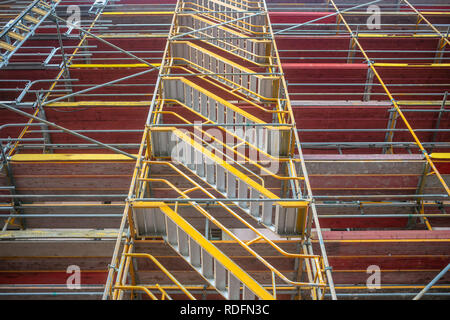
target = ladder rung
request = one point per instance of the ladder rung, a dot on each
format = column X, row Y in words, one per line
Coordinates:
column 22, row 27
column 16, row 36
column 45, row 4
column 31, row 19
column 39, row 11
column 6, row 46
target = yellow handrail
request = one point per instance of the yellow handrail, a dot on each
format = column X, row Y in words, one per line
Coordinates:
column 223, row 128
column 164, row 270
column 229, row 17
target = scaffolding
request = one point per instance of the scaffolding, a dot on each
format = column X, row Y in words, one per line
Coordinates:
column 229, row 157
column 245, row 150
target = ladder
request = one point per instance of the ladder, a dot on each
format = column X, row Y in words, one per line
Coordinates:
column 17, row 31
column 232, row 180
column 221, row 71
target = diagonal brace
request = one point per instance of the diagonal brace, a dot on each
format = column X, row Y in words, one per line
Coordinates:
column 327, row 16
column 25, row 114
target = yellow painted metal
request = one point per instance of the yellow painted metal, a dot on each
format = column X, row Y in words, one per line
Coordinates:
column 137, row 13
column 230, row 83
column 143, row 204
column 232, row 31
column 7, row 46
column 422, row 102
column 232, row 149
column 443, row 37
column 397, row 13
column 99, row 103
column 395, row 105
column 237, row 48
column 39, row 11
column 440, row 155
column 164, row 270
column 409, row 65
column 31, row 19
column 228, row 17
column 253, row 241
column 387, row 240
column 16, row 36
column 117, row 258
column 237, row 271
column 122, row 273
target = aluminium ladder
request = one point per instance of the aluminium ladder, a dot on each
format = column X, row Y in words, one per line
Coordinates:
column 220, row 67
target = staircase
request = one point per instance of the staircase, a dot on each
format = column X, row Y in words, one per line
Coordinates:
column 215, row 267
column 17, row 31
column 221, row 127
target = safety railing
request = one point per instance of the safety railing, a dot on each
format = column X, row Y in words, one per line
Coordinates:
column 228, row 39
column 219, row 172
column 433, row 169
column 149, row 223
column 236, row 75
column 222, row 12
